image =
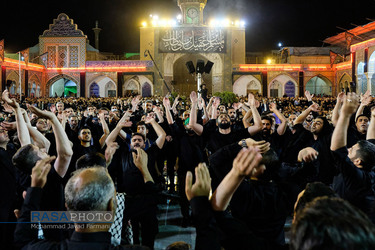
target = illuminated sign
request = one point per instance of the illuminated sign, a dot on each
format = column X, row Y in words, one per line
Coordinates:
column 192, row 40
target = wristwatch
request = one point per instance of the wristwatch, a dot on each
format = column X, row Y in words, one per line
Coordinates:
column 243, row 143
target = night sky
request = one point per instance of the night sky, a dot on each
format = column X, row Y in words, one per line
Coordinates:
column 294, row 23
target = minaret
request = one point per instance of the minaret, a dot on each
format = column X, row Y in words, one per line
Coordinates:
column 96, row 31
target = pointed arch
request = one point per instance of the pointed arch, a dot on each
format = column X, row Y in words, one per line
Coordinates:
column 283, row 84
column 319, row 85
column 247, row 84
column 61, row 89
column 103, row 83
column 344, row 83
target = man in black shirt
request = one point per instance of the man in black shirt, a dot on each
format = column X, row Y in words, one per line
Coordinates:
column 8, row 189
column 140, row 202
column 355, row 179
column 218, row 132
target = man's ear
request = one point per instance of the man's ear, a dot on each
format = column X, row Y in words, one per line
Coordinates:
column 358, row 162
column 112, row 205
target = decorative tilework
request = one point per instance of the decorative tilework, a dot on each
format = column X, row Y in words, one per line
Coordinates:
column 51, row 56
column 62, row 56
column 63, row 26
column 75, row 44
column 73, row 56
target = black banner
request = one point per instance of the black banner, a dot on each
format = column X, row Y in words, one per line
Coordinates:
column 192, row 40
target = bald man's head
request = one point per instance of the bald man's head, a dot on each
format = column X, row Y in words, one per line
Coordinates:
column 90, row 189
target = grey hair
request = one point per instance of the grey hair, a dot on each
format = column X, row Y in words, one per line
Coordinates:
column 94, row 195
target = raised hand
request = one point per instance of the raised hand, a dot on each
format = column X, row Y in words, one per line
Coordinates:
column 308, row 95
column 149, row 119
column 140, row 159
column 366, row 98
column 41, row 113
column 202, row 185
column 176, row 101
column 193, row 97
column 272, row 106
column 216, row 102
column 136, row 100
column 156, row 109
column 307, row 155
column 251, row 100
column 314, row 107
column 341, row 97
column 166, row 102
column 350, row 104
column 7, row 108
column 11, row 102
column 246, row 160
column 262, row 146
column 40, row 171
column 9, row 125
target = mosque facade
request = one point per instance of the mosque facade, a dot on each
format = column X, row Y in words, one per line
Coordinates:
column 63, row 63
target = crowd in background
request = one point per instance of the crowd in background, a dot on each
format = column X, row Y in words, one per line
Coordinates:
column 242, row 168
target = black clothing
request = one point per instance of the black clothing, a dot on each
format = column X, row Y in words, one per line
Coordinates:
column 260, row 204
column 276, row 140
column 294, row 143
column 190, row 154
column 141, row 198
column 354, row 184
column 129, row 178
column 354, row 136
column 219, row 229
column 215, row 140
column 53, row 199
column 8, row 189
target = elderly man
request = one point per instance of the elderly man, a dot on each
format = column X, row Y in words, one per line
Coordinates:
column 89, row 189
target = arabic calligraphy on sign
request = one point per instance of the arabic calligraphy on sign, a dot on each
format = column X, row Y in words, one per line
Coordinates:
column 199, row 40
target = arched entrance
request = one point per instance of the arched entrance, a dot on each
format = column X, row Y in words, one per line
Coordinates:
column 103, row 86
column 12, row 83
column 319, row 85
column 344, row 84
column 138, row 85
column 63, row 86
column 276, row 89
column 33, row 85
column 247, row 84
column 281, row 85
column 110, row 89
column 131, row 87
column 184, row 82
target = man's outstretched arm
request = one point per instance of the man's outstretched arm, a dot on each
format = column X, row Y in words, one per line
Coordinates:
column 339, row 136
column 63, row 145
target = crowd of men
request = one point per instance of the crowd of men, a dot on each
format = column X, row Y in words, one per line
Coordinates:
column 242, row 168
